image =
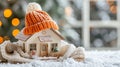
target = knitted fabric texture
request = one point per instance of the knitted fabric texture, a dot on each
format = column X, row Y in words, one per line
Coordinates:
column 38, row 20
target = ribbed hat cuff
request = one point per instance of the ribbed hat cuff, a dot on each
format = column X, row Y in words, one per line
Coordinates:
column 28, row 30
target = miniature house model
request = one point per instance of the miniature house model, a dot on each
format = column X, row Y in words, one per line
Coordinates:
column 42, row 43
column 40, row 35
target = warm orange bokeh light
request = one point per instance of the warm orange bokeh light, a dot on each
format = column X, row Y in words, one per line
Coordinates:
column 110, row 2
column 7, row 13
column 1, row 39
column 0, row 23
column 113, row 9
column 15, row 21
column 15, row 32
column 68, row 11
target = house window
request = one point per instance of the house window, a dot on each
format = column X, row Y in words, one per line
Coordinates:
column 32, row 46
column 54, row 47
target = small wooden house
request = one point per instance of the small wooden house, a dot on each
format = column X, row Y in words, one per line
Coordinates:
column 41, row 43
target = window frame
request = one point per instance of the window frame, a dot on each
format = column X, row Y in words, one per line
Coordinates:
column 32, row 46
column 87, row 23
column 53, row 45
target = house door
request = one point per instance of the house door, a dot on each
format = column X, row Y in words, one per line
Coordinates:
column 43, row 49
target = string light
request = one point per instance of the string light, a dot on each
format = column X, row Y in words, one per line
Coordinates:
column 0, row 23
column 15, row 32
column 1, row 39
column 7, row 13
column 15, row 21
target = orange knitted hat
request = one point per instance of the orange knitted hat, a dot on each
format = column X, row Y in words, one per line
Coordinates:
column 37, row 20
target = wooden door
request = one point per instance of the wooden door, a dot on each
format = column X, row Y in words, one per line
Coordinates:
column 43, row 49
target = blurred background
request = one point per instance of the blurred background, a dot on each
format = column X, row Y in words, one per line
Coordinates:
column 87, row 23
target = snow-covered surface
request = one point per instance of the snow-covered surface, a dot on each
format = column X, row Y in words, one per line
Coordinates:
column 93, row 59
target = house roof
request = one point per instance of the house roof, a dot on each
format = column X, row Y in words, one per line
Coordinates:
column 23, row 37
column 57, row 33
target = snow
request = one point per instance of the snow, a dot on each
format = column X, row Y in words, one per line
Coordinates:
column 93, row 59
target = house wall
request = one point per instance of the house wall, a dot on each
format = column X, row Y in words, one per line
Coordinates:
column 35, row 39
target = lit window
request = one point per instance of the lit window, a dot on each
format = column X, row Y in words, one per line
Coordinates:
column 54, row 47
column 32, row 46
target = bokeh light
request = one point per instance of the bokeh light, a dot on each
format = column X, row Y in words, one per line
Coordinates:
column 15, row 32
column 0, row 23
column 68, row 11
column 110, row 2
column 7, row 13
column 113, row 9
column 1, row 39
column 15, row 21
